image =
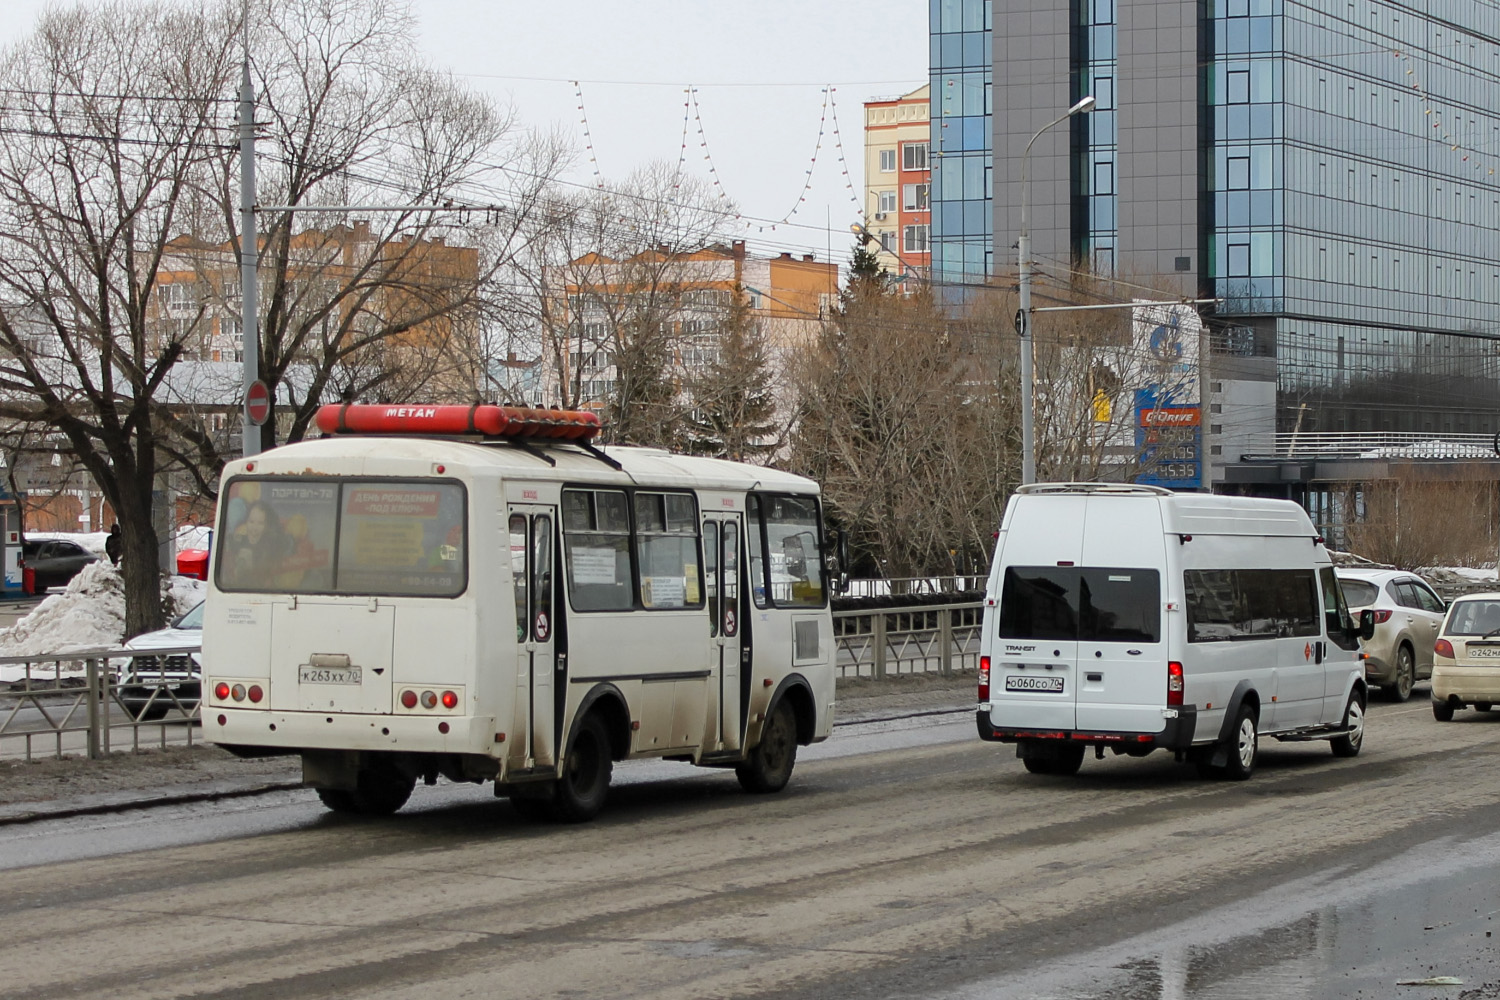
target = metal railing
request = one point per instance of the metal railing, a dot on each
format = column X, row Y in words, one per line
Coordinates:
column 902, row 586
column 90, row 701
column 885, row 642
column 1383, row 444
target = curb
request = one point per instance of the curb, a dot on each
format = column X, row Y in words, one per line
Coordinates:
column 64, row 811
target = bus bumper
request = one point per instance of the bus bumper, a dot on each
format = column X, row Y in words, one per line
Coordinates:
column 294, row 731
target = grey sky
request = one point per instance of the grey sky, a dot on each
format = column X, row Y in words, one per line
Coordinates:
column 759, row 69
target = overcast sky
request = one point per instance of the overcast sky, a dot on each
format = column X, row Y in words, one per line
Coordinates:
column 759, row 68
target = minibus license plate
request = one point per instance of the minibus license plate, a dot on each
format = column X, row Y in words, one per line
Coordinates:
column 1485, row 652
column 309, row 674
column 1052, row 685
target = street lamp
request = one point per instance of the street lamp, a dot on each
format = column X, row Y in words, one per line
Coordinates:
column 865, row 236
column 1023, row 317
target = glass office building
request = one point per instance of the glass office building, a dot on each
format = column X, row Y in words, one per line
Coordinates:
column 1330, row 169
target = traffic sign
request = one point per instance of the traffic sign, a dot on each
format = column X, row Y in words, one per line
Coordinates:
column 258, row 402
column 1021, row 323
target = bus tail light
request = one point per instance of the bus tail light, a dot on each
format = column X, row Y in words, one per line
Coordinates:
column 256, row 693
column 221, row 691
column 237, row 692
column 450, row 700
column 408, row 699
column 429, row 699
column 984, row 678
column 1444, row 648
column 1174, row 683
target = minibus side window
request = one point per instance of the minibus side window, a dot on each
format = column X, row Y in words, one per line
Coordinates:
column 1336, row 612
column 596, row 530
column 1235, row 604
column 666, row 527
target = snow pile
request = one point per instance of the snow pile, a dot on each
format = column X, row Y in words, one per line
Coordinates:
column 193, row 536
column 1431, row 449
column 89, row 614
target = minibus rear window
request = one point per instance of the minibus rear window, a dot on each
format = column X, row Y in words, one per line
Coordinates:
column 1083, row 605
column 378, row 537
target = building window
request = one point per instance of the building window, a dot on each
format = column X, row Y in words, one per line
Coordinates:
column 888, row 241
column 914, row 156
column 914, row 197
column 1239, row 260
column 887, row 161
column 915, row 239
column 1239, row 173
column 888, row 198
column 1238, row 87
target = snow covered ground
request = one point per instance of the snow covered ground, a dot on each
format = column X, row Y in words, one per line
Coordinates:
column 89, row 614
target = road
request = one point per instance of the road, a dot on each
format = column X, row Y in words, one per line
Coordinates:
column 907, row 859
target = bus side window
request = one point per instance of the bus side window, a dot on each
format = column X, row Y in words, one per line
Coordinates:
column 541, row 577
column 596, row 531
column 711, row 573
column 754, row 535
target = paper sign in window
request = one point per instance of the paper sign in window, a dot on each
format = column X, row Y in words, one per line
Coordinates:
column 593, row 565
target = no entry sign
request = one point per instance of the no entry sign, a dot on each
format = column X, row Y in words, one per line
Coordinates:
column 258, row 402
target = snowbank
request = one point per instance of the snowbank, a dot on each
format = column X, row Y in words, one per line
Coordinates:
column 89, row 614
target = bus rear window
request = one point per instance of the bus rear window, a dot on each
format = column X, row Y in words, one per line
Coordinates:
column 1074, row 604
column 343, row 537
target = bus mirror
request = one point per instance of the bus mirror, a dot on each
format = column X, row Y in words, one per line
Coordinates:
column 1367, row 624
column 836, row 562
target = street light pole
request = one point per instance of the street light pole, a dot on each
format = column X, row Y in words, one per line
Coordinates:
column 249, row 249
column 1023, row 317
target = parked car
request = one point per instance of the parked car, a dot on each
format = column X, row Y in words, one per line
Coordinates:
column 53, row 562
column 1466, row 661
column 152, row 686
column 1408, row 614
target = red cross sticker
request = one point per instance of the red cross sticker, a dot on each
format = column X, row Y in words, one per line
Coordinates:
column 1307, row 651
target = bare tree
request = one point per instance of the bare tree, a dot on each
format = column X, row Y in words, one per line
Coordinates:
column 114, row 116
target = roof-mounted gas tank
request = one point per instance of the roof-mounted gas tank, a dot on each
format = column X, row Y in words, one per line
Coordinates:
column 438, row 421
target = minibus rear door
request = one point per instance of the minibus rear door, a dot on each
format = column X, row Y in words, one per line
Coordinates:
column 1033, row 666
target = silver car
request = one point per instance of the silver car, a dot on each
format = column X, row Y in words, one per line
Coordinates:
column 1408, row 615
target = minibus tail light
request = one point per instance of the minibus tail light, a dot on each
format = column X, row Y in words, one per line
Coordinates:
column 1444, row 648
column 1174, row 683
column 984, row 678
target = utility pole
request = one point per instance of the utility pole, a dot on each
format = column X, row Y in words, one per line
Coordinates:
column 249, row 247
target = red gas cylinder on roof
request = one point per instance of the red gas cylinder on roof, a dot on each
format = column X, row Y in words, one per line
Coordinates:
column 484, row 419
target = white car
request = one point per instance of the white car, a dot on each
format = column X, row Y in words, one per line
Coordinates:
column 152, row 686
column 1467, row 669
column 1407, row 615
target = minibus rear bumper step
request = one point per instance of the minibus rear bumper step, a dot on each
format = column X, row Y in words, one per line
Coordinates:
column 1176, row 734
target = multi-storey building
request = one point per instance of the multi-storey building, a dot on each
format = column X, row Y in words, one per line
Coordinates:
column 596, row 303
column 1326, row 169
column 898, row 180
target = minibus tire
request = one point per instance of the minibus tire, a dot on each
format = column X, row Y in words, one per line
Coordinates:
column 769, row 766
column 1238, row 767
column 1060, row 760
column 584, row 783
column 379, row 792
column 1348, row 745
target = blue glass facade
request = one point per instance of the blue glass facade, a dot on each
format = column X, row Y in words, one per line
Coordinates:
column 1096, row 144
column 962, row 140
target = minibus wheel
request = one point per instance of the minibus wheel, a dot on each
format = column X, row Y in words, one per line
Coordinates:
column 1354, row 720
column 1244, row 746
column 1060, row 759
column 379, row 791
column 584, row 784
column 769, row 766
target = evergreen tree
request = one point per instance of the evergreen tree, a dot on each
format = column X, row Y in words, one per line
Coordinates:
column 734, row 402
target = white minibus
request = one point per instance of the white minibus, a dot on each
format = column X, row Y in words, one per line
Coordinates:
column 481, row 593
column 1133, row 619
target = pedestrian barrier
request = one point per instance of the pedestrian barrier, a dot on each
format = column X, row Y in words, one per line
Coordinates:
column 95, row 701
column 885, row 642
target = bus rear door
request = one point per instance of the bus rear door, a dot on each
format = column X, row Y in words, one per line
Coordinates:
column 531, row 551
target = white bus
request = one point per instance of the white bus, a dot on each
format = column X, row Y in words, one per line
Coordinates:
column 480, row 593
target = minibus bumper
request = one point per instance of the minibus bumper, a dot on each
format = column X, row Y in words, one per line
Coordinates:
column 295, row 731
column 1176, row 733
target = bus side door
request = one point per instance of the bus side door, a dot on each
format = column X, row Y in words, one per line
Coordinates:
column 532, row 562
column 721, row 550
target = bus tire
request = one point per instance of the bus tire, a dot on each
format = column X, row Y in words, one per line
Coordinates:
column 379, row 792
column 768, row 767
column 584, row 783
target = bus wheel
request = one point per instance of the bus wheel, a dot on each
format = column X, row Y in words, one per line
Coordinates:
column 584, row 783
column 379, row 792
column 769, row 766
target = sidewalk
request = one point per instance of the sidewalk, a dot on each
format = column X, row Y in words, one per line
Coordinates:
column 75, row 786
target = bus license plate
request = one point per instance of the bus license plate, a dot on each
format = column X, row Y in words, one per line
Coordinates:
column 1051, row 685
column 309, row 674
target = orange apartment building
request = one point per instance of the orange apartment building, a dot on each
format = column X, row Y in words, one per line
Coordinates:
column 691, row 292
column 898, row 180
